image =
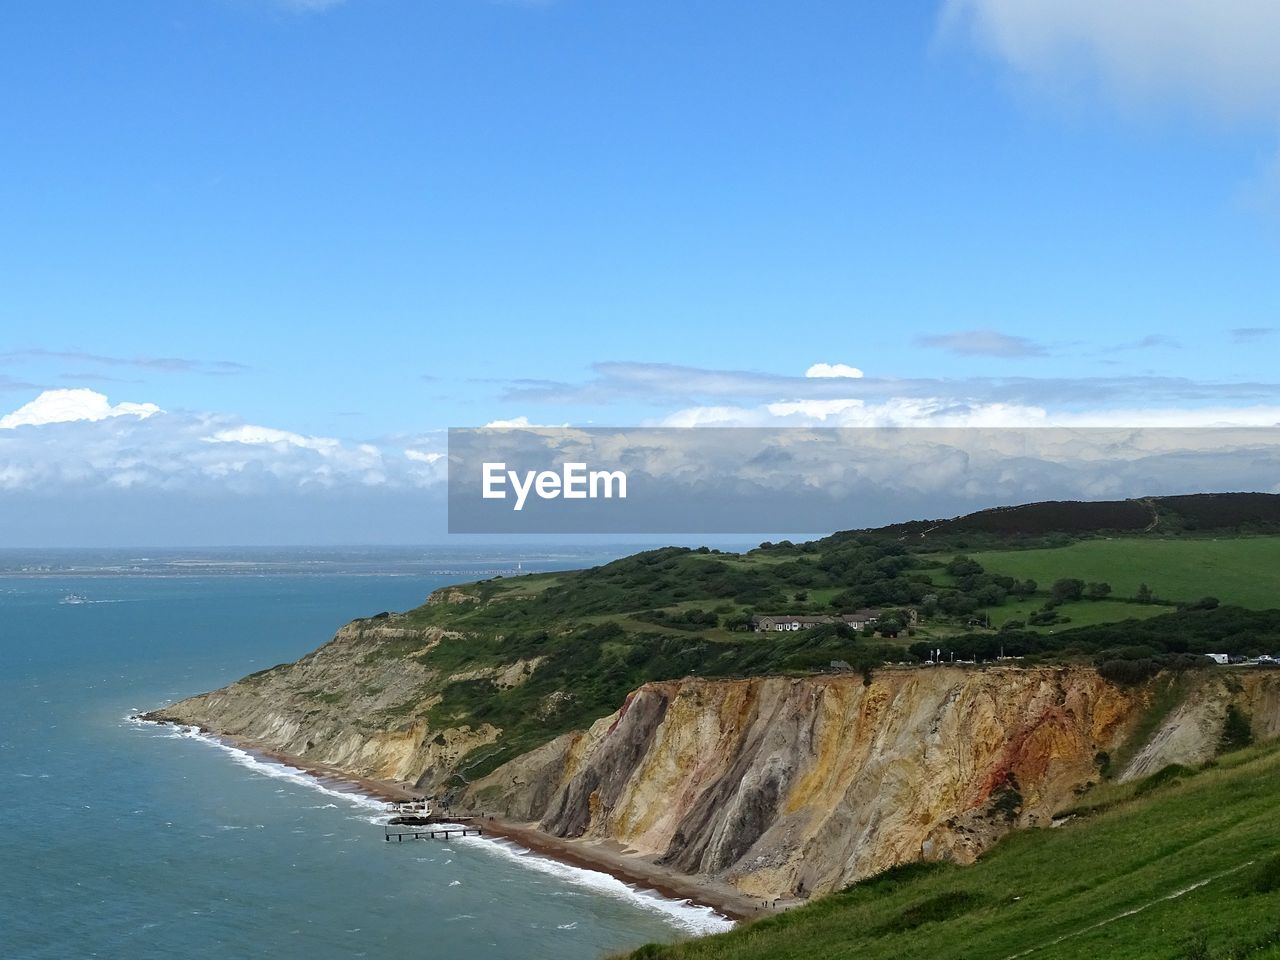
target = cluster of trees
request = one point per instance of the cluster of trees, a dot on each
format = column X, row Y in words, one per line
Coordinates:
column 692, row 619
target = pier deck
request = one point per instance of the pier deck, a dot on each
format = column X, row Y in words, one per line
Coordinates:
column 400, row 829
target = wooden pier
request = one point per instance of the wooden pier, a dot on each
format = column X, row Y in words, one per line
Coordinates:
column 400, row 829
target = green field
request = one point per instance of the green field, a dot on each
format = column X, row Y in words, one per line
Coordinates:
column 1183, row 869
column 1081, row 613
column 1243, row 571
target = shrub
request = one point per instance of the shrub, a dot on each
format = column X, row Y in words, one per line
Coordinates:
column 1266, row 878
column 1162, row 777
column 1128, row 672
column 1068, row 588
column 1237, row 730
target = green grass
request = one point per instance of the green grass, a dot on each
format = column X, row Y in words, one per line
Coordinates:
column 1173, row 868
column 1082, row 613
column 1244, row 571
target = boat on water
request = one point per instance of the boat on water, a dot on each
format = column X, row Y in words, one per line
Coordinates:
column 74, row 598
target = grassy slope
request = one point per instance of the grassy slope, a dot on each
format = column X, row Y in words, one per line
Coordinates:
column 597, row 634
column 1082, row 613
column 1242, row 571
column 1067, row 892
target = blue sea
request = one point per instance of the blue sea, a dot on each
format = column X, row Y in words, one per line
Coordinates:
column 128, row 840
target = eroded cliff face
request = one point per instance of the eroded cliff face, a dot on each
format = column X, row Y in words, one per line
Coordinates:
column 360, row 703
column 784, row 786
column 1189, row 734
column 777, row 785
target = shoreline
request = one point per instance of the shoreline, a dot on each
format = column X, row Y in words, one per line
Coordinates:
column 601, row 857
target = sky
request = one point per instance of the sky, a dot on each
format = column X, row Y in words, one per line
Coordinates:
column 257, row 254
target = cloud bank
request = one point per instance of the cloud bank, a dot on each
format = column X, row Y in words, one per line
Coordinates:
column 67, row 442
column 673, row 385
column 1218, row 54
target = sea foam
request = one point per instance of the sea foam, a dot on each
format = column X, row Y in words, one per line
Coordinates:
column 683, row 914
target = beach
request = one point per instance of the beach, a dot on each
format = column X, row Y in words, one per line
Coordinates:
column 603, row 857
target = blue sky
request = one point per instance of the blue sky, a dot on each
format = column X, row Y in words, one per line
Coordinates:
column 374, row 219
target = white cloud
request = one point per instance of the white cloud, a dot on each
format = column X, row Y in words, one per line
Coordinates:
column 423, row 456
column 950, row 413
column 1217, row 53
column 833, row 370
column 67, row 406
column 78, row 440
column 520, row 423
column 255, row 435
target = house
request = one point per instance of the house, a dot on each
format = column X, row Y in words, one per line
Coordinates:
column 856, row 621
column 860, row 618
column 787, row 623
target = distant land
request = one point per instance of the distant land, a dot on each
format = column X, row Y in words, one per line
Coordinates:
column 769, row 728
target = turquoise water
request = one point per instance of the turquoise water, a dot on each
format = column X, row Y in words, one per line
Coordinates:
column 122, row 840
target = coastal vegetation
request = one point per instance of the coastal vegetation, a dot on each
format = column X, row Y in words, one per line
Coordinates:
column 731, row 716
column 1132, row 604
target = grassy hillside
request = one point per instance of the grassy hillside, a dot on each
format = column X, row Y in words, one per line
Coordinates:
column 580, row 641
column 1244, row 571
column 1184, row 865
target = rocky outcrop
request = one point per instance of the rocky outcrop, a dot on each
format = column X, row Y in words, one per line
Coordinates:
column 361, row 703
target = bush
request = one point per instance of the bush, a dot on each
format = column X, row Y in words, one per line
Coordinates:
column 1266, row 878
column 1068, row 588
column 1162, row 777
column 1128, row 672
column 1237, row 730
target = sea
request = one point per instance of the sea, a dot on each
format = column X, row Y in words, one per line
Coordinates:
column 130, row 841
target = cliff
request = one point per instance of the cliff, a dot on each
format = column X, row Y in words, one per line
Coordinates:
column 784, row 786
column 779, row 786
column 361, row 703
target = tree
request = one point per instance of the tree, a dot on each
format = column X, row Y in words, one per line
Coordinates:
column 1068, row 588
column 1097, row 591
column 801, row 596
column 1144, row 594
column 888, row 627
column 962, row 566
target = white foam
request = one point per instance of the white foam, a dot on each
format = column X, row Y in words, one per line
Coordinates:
column 683, row 914
column 270, row 768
